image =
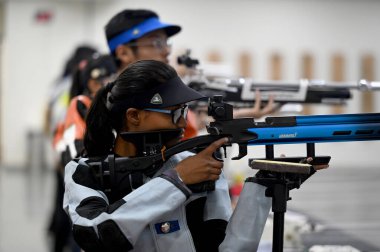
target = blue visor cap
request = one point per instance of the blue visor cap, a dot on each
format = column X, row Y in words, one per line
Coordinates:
column 149, row 25
column 172, row 93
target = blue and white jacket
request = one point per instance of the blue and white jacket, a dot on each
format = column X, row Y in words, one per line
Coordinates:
column 161, row 215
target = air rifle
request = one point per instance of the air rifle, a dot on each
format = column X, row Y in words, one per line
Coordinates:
column 272, row 131
column 120, row 175
column 243, row 132
column 241, row 91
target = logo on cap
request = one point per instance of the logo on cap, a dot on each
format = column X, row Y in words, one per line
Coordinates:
column 136, row 31
column 97, row 73
column 156, row 99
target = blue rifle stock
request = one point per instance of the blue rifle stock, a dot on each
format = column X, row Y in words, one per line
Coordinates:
column 318, row 128
column 291, row 129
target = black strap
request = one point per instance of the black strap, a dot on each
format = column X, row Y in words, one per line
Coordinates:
column 82, row 109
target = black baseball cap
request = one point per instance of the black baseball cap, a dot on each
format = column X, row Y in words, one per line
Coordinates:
column 98, row 68
column 171, row 93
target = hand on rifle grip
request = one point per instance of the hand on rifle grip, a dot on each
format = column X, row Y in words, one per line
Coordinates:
column 202, row 166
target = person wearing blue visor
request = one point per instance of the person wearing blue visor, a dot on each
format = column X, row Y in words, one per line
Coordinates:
column 134, row 35
column 139, row 34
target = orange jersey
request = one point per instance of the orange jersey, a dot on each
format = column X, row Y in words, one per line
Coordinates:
column 58, row 134
column 76, row 114
column 191, row 129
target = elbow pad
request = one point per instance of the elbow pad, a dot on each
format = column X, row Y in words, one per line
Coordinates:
column 109, row 238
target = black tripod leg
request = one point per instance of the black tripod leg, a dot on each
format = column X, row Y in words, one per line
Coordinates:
column 280, row 196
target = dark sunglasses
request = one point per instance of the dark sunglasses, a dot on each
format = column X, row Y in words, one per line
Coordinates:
column 176, row 114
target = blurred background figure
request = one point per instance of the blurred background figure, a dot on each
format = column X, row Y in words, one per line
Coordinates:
column 59, row 225
column 99, row 70
column 59, row 95
column 87, row 79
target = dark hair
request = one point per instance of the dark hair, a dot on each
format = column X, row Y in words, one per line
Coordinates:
column 101, row 121
column 104, row 63
column 83, row 52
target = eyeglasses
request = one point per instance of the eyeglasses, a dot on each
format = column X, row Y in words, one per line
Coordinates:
column 159, row 43
column 176, row 114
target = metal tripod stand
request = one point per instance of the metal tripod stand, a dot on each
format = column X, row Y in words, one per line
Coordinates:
column 278, row 187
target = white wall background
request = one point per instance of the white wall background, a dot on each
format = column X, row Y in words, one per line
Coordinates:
column 33, row 54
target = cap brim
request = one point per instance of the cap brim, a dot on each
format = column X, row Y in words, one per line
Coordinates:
column 141, row 30
column 169, row 29
column 177, row 93
column 172, row 30
column 173, row 92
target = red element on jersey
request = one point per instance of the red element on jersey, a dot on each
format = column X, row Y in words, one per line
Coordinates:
column 191, row 129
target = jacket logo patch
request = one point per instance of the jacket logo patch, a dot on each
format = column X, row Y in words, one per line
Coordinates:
column 167, row 227
column 156, row 99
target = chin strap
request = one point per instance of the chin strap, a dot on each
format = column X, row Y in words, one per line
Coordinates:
column 163, row 149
